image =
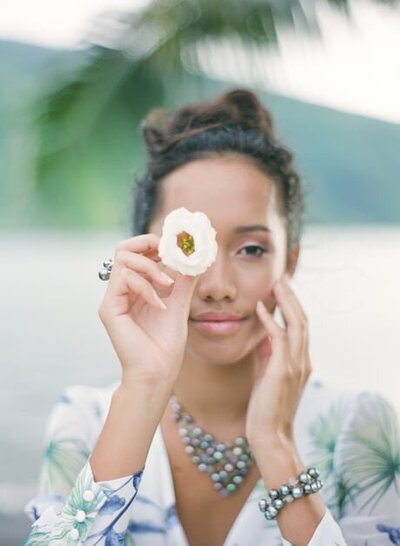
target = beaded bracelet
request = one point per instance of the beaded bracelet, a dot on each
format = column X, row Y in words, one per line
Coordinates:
column 306, row 483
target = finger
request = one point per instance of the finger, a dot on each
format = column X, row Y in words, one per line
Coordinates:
column 296, row 325
column 286, row 302
column 143, row 265
column 278, row 335
column 296, row 303
column 182, row 292
column 127, row 282
column 144, row 244
column 272, row 327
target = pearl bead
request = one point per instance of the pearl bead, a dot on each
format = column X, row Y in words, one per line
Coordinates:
column 297, row 492
column 80, row 516
column 88, row 496
column 74, row 534
column 262, row 504
column 229, row 467
column 273, row 511
column 284, row 489
column 313, row 472
column 304, row 478
column 104, row 274
column 231, row 487
column 237, row 479
column 202, row 467
column 314, row 487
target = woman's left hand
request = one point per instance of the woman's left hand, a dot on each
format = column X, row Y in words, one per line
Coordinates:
column 283, row 370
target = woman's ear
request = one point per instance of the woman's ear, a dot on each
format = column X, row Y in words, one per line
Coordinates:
column 292, row 259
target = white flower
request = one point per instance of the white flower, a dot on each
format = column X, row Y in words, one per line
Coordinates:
column 187, row 243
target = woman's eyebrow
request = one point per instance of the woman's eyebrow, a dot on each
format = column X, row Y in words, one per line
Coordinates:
column 255, row 227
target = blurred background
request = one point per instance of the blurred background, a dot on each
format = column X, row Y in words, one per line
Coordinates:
column 76, row 80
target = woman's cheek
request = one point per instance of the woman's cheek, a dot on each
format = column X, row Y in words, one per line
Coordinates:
column 267, row 295
column 271, row 304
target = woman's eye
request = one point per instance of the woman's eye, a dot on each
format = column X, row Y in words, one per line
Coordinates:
column 254, row 250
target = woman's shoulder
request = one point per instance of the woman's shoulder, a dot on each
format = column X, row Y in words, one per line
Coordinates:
column 320, row 395
column 353, row 437
column 86, row 396
column 80, row 410
column 327, row 413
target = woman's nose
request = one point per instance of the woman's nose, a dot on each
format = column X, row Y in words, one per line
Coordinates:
column 217, row 283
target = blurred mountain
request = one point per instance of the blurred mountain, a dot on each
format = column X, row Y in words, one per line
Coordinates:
column 350, row 163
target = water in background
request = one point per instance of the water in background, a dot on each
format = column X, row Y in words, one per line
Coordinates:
column 51, row 335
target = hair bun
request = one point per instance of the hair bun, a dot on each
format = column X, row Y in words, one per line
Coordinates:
column 162, row 131
column 249, row 110
column 153, row 129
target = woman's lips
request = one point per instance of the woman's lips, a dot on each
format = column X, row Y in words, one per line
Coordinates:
column 218, row 327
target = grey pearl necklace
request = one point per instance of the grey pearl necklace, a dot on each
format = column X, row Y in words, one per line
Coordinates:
column 226, row 464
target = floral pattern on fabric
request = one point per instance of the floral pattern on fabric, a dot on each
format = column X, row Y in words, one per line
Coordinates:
column 353, row 439
column 87, row 502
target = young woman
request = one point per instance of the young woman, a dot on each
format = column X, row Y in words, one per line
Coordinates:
column 216, row 435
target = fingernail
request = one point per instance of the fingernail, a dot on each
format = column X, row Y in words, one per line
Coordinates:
column 166, row 278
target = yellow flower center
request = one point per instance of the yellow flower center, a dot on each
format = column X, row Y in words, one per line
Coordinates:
column 185, row 242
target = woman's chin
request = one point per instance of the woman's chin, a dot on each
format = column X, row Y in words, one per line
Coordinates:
column 220, row 354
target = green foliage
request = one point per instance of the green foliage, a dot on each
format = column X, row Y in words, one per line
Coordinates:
column 72, row 161
column 369, row 451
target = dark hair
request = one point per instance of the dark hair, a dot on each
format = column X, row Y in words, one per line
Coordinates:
column 236, row 122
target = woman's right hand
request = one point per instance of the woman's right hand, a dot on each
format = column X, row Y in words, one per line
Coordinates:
column 148, row 333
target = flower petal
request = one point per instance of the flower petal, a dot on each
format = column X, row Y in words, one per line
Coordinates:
column 188, row 242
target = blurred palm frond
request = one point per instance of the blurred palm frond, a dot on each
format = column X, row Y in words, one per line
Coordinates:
column 134, row 61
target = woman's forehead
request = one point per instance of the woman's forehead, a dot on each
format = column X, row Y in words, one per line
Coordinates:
column 219, row 187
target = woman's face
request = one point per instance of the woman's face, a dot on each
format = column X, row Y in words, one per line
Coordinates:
column 241, row 203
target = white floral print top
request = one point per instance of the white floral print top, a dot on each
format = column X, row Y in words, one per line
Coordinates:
column 353, row 439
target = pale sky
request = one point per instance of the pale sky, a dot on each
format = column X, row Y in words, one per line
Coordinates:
column 355, row 67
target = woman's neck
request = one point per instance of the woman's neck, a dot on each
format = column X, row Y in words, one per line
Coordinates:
column 216, row 395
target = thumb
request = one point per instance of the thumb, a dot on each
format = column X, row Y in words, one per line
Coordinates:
column 183, row 290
